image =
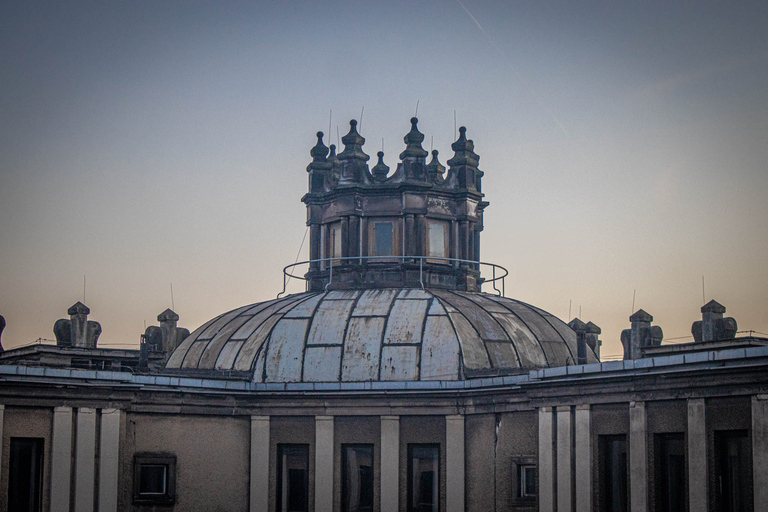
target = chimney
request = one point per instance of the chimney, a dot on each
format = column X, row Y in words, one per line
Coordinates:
column 640, row 335
column 581, row 340
column 593, row 341
column 712, row 326
column 83, row 333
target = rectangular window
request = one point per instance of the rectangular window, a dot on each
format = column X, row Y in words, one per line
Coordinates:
column 357, row 478
column 732, row 485
column 25, row 481
column 334, row 242
column 154, row 479
column 526, row 478
column 423, row 477
column 612, row 467
column 383, row 238
column 292, row 477
column 438, row 239
column 670, row 472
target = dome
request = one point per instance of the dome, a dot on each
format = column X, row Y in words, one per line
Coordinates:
column 384, row 334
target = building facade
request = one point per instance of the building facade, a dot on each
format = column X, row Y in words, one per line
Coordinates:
column 392, row 384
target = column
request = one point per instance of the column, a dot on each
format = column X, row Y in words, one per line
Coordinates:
column 390, row 462
column 259, row 498
column 760, row 451
column 314, row 246
column 61, row 459
column 583, row 452
column 85, row 455
column 109, row 459
column 454, row 463
column 638, row 457
column 697, row 455
column 410, row 240
column 323, row 463
column 345, row 249
column 546, row 461
column 2, row 418
column 564, row 449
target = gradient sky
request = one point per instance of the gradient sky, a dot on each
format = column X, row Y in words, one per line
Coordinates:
column 144, row 143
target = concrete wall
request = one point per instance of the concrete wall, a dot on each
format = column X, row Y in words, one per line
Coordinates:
column 26, row 422
column 481, row 461
column 212, row 459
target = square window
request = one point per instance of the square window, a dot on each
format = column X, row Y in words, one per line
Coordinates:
column 154, row 479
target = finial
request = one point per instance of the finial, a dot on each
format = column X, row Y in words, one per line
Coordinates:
column 435, row 169
column 319, row 152
column 413, row 141
column 353, row 144
column 380, row 170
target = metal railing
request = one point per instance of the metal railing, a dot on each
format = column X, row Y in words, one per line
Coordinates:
column 287, row 275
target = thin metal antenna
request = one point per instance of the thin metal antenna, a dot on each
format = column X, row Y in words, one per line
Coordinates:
column 173, row 306
column 361, row 118
column 330, row 117
column 579, row 311
column 454, row 124
column 569, row 309
column 432, row 144
column 338, row 139
column 83, row 288
column 417, row 109
column 703, row 297
column 633, row 302
column 145, row 326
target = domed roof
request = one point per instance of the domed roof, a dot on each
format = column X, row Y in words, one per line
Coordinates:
column 389, row 334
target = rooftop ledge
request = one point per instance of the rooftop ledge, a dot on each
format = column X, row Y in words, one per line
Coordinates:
column 696, row 360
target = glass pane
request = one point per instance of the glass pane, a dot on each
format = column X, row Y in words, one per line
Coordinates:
column 357, row 485
column 527, row 481
column 437, row 232
column 293, row 482
column 152, row 478
column 384, row 232
column 423, row 464
column 26, row 472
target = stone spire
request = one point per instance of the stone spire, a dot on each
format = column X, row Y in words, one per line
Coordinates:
column 380, row 170
column 463, row 166
column 435, row 169
column 352, row 159
column 414, row 156
column 319, row 170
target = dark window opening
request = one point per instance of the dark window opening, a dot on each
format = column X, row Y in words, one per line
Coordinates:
column 384, row 234
column 612, row 467
column 293, row 477
column 154, row 479
column 526, row 478
column 732, row 485
column 357, row 478
column 670, row 472
column 25, row 481
column 423, row 477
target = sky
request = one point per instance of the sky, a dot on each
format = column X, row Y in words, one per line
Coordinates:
column 154, row 146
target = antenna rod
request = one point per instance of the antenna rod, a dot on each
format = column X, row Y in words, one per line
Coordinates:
column 361, row 118
column 633, row 302
column 569, row 309
column 580, row 311
column 432, row 144
column 454, row 123
column 330, row 117
column 417, row 108
column 173, row 306
column 338, row 139
column 83, row 288
column 703, row 297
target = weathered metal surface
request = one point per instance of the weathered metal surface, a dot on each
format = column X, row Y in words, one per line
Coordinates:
column 528, row 348
column 178, row 355
column 406, row 321
column 341, row 295
column 484, row 324
column 502, row 354
column 285, row 351
column 399, row 362
column 254, row 322
column 329, row 322
column 212, row 329
column 212, row 350
column 361, row 349
column 374, row 302
column 414, row 293
column 193, row 354
column 254, row 342
column 439, row 350
column 436, row 308
column 258, row 370
column 472, row 347
column 321, row 364
column 227, row 355
column 305, row 309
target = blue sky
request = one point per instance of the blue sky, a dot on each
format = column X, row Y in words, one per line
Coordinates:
column 149, row 143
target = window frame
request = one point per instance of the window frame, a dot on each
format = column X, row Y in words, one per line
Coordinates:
column 281, row 448
column 518, row 464
column 396, row 242
column 344, row 474
column 36, row 449
column 446, row 249
column 436, row 483
column 154, row 459
column 331, row 245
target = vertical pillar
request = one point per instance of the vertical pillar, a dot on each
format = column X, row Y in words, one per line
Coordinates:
column 323, row 463
column 61, row 459
column 259, row 497
column 109, row 459
column 354, row 236
column 85, row 455
column 564, row 451
column 345, row 249
column 410, row 239
column 454, row 463
column 583, row 452
column 421, row 235
column 760, row 451
column 546, row 461
column 638, row 457
column 697, row 455
column 2, row 419
column 390, row 461
column 314, row 246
